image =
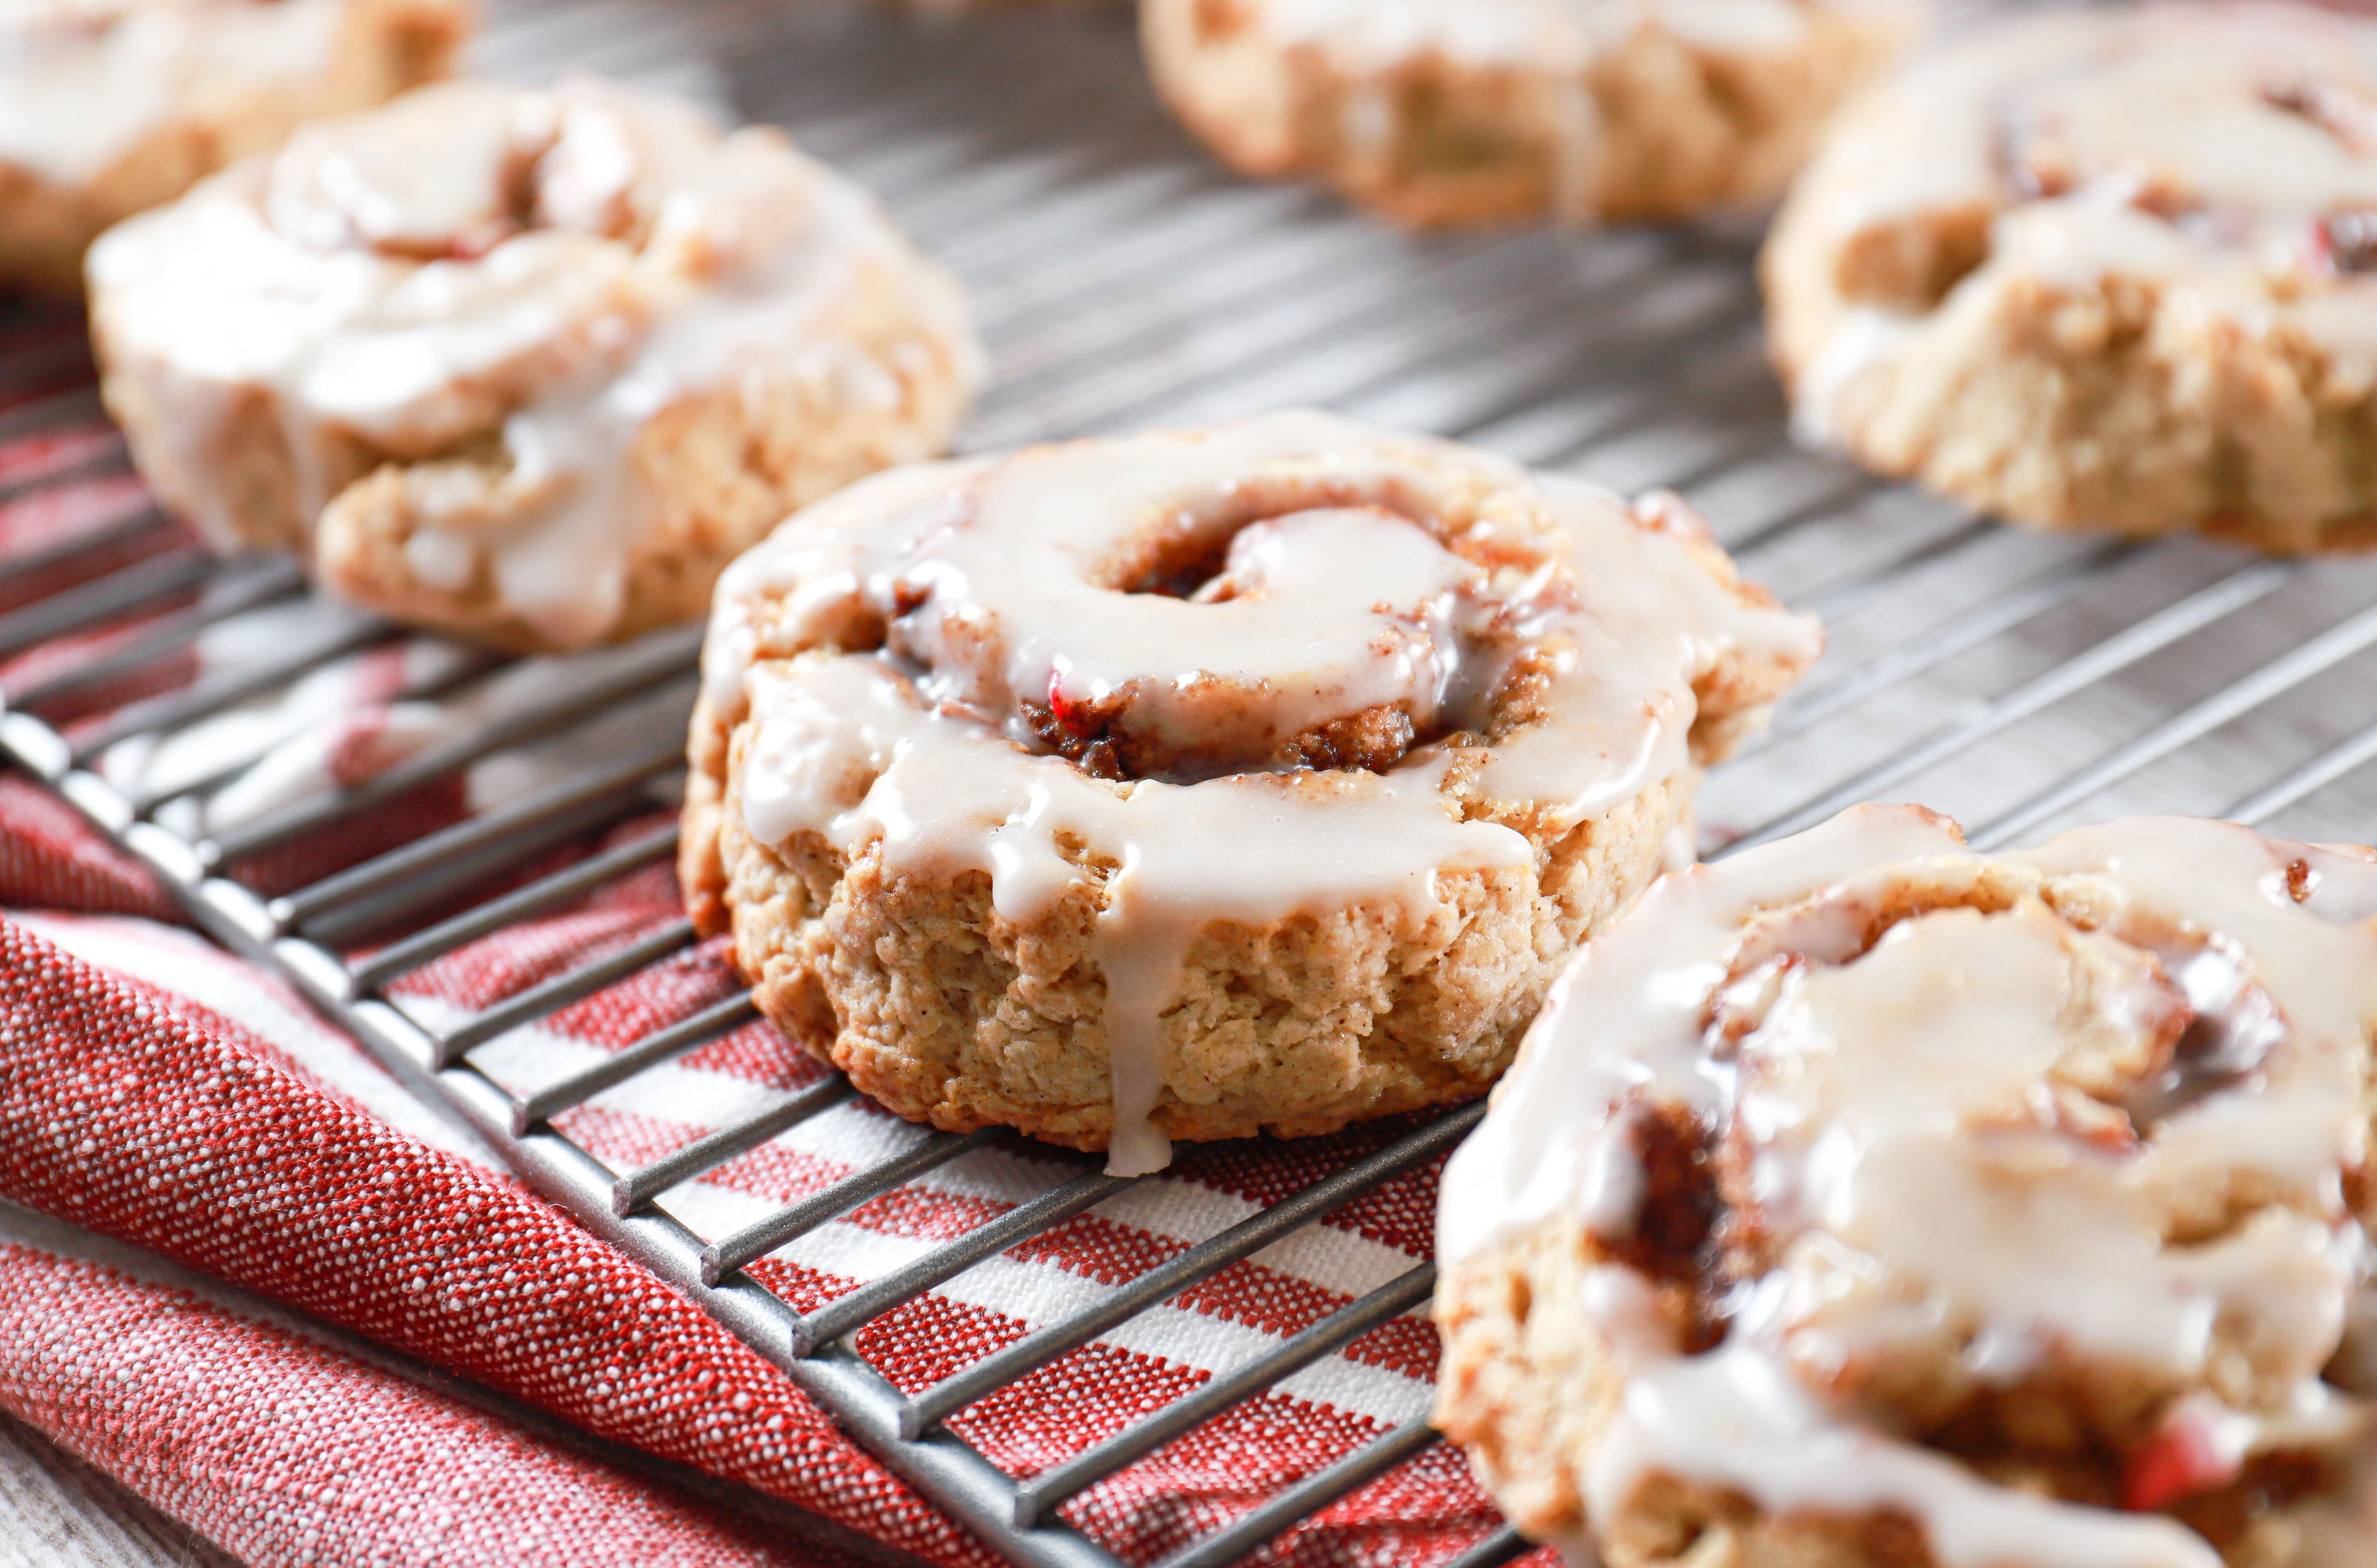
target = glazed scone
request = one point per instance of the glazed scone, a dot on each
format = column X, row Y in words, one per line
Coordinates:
column 1449, row 112
column 527, row 366
column 1867, row 1201
column 2105, row 268
column 1195, row 784
column 110, row 107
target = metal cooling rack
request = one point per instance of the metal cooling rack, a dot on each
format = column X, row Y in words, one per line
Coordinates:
column 2018, row 681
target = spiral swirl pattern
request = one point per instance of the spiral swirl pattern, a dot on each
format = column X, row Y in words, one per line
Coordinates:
column 1288, row 742
column 2012, row 1208
column 528, row 365
column 2105, row 267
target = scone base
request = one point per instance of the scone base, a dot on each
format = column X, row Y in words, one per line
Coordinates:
column 947, row 1013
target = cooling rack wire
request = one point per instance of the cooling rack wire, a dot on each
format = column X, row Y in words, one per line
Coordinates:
column 2017, row 681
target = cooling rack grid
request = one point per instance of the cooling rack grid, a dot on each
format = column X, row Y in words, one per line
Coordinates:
column 2021, row 682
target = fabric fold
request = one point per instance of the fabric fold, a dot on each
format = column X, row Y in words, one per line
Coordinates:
column 281, row 1450
column 120, row 1116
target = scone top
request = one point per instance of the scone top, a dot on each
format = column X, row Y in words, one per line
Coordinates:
column 1288, row 669
column 510, row 309
column 2233, row 146
column 419, row 275
column 1437, row 111
column 2106, row 267
column 1284, row 595
column 111, row 107
column 1993, row 1193
column 587, row 175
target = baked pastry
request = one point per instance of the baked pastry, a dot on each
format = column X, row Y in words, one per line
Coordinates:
column 2107, row 268
column 109, row 107
column 1195, row 784
column 1444, row 112
column 529, row 366
column 1865, row 1201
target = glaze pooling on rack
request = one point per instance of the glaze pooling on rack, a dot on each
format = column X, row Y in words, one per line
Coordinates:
column 563, row 266
column 1041, row 706
column 1977, row 1097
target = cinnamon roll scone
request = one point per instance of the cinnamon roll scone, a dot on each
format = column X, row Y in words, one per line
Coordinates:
column 1196, row 784
column 2105, row 267
column 1867, row 1201
column 528, row 366
column 1447, row 112
column 109, row 107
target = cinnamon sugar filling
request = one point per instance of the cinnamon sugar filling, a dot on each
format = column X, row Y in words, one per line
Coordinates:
column 2032, row 1187
column 1288, row 672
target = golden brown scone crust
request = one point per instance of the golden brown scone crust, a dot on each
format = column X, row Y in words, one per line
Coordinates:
column 948, row 1012
column 386, row 47
column 1651, row 125
column 2074, row 369
column 1534, row 1385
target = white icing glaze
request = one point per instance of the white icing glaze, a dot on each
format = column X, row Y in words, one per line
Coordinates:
column 1539, row 1162
column 81, row 81
column 1000, row 589
column 1330, row 611
column 945, row 796
column 814, row 582
column 1733, row 1418
column 2205, row 149
column 1981, row 1125
column 559, row 267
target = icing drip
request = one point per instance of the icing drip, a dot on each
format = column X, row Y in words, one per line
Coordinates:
column 945, row 796
column 1230, row 676
column 81, row 83
column 556, row 268
column 1984, row 1124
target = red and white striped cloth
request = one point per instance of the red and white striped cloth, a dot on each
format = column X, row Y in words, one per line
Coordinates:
column 157, row 1091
